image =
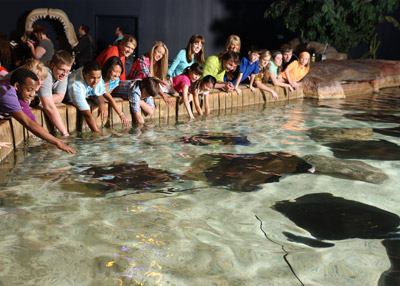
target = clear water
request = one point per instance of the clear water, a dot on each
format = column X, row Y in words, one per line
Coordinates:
column 58, row 228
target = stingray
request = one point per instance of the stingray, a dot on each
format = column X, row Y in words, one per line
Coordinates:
column 327, row 217
column 138, row 176
column 369, row 149
column 395, row 132
column 374, row 116
column 216, row 138
column 245, row 172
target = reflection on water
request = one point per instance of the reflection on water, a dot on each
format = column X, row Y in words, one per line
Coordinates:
column 60, row 225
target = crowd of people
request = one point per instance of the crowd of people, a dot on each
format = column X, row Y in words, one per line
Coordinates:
column 74, row 75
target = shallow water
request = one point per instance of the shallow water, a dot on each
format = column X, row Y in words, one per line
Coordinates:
column 61, row 226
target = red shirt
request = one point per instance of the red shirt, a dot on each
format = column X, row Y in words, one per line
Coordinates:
column 108, row 53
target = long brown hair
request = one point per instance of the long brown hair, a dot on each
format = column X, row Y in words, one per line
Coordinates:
column 199, row 57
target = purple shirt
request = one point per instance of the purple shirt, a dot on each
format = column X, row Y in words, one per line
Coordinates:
column 9, row 102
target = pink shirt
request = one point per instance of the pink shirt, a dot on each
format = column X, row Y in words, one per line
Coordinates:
column 179, row 81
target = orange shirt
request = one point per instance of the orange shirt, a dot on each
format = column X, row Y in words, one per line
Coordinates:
column 108, row 53
column 296, row 73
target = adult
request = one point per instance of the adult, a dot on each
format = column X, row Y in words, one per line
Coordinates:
column 119, row 33
column 42, row 48
column 194, row 52
column 84, row 50
column 54, row 88
column 87, row 82
column 232, row 44
column 287, row 55
column 7, row 55
column 124, row 49
column 218, row 66
column 23, row 86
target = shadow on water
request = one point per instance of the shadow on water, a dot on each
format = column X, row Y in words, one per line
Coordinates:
column 216, row 138
column 245, row 172
column 391, row 277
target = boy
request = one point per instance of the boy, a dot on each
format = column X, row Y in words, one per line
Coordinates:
column 85, row 82
column 248, row 67
column 54, row 88
column 23, row 87
column 287, row 55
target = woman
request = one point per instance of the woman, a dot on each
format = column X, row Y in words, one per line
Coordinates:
column 110, row 72
column 194, row 52
column 43, row 48
column 125, row 48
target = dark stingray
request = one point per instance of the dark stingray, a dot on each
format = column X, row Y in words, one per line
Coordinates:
column 374, row 116
column 395, row 132
column 244, row 172
column 391, row 277
column 217, row 138
column 369, row 149
column 327, row 217
column 138, row 176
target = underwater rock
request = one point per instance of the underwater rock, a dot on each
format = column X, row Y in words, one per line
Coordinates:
column 130, row 175
column 348, row 168
column 395, row 132
column 391, row 277
column 327, row 217
column 372, row 150
column 336, row 134
column 244, row 172
column 216, row 138
column 374, row 116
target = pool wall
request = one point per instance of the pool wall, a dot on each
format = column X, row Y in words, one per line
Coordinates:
column 386, row 74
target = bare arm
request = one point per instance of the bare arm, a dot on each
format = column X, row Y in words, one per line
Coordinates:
column 53, row 114
column 252, row 77
column 197, row 102
column 90, row 121
column 186, row 102
column 277, row 82
column 40, row 132
column 114, row 105
column 239, row 78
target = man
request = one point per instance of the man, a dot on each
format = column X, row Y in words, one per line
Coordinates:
column 218, row 66
column 287, row 55
column 87, row 82
column 23, row 88
column 54, row 88
column 119, row 33
column 84, row 49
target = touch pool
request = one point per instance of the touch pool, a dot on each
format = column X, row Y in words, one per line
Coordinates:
column 147, row 207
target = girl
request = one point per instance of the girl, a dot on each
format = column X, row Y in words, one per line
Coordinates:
column 125, row 48
column 201, row 89
column 194, row 52
column 274, row 71
column 141, row 97
column 181, row 84
column 111, row 71
column 263, row 73
column 296, row 70
column 153, row 64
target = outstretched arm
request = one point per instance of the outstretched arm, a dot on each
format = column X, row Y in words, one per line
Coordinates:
column 90, row 121
column 114, row 105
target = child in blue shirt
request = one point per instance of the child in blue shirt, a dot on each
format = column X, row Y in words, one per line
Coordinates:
column 248, row 67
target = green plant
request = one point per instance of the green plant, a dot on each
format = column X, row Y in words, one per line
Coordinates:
column 343, row 23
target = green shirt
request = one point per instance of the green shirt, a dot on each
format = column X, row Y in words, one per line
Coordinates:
column 213, row 66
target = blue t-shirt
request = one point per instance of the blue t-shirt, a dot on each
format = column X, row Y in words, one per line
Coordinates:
column 247, row 68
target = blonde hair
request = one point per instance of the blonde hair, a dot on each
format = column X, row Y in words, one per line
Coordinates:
column 128, row 39
column 62, row 57
column 37, row 67
column 160, row 68
column 230, row 40
column 264, row 54
column 309, row 58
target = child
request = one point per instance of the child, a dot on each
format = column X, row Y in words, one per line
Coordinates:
column 181, row 84
column 22, row 88
column 248, row 67
column 153, row 64
column 263, row 73
column 274, row 71
column 111, row 72
column 296, row 70
column 141, row 97
column 201, row 89
column 194, row 52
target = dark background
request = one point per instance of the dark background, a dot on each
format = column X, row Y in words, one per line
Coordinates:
column 174, row 21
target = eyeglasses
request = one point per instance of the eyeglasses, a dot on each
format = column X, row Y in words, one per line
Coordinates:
column 64, row 71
